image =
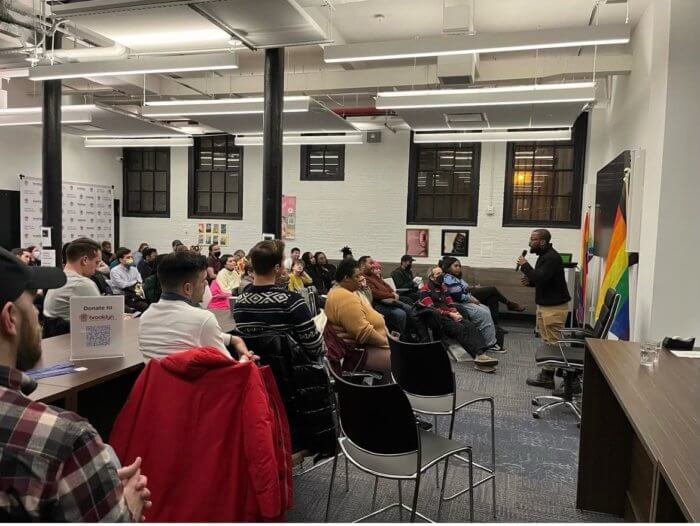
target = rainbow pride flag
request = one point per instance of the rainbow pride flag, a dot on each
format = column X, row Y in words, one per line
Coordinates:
column 617, row 271
column 584, row 260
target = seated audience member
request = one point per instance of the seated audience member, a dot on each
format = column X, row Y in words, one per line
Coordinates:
column 176, row 243
column 106, row 248
column 404, row 279
column 175, row 323
column 228, row 277
column 124, row 274
column 241, row 260
column 22, row 254
column 298, row 278
column 182, row 248
column 293, row 258
column 213, row 262
column 82, row 258
column 467, row 305
column 322, row 273
column 219, row 297
column 266, row 310
column 145, row 266
column 34, row 256
column 265, row 306
column 386, row 301
column 196, row 249
column 354, row 319
column 247, row 278
column 434, row 295
column 138, row 255
column 346, row 251
column 364, row 292
column 55, row 466
column 151, row 285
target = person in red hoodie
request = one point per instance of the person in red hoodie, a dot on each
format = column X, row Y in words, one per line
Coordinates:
column 213, row 435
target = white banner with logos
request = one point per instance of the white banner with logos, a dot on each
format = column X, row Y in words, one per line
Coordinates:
column 88, row 211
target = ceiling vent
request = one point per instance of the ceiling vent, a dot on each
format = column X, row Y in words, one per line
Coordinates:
column 457, row 69
column 460, row 120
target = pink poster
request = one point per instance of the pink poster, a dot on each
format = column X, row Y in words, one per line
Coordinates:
column 289, row 216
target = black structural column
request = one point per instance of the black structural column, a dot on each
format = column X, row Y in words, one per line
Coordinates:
column 51, row 161
column 272, row 142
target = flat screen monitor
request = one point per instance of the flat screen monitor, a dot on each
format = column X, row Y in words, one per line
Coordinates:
column 609, row 186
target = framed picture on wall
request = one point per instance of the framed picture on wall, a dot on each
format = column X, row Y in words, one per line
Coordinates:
column 417, row 242
column 455, row 243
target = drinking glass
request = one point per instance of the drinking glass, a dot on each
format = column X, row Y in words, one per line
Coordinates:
column 650, row 352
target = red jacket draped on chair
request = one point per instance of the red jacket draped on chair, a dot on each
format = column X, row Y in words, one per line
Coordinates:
column 213, row 436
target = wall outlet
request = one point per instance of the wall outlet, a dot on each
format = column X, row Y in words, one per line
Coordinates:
column 490, row 210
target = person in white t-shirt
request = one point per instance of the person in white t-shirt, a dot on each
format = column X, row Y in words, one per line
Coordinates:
column 82, row 259
column 290, row 261
column 175, row 323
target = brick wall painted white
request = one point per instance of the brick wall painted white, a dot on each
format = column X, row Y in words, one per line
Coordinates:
column 366, row 211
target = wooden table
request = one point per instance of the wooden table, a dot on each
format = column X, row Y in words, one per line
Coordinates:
column 639, row 453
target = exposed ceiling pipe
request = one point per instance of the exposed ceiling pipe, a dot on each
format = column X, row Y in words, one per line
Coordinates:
column 113, row 52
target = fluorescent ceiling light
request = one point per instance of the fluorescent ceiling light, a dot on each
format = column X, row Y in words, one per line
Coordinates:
column 563, row 93
column 496, row 89
column 213, row 34
column 492, row 136
column 33, row 118
column 292, row 139
column 14, row 73
column 135, row 66
column 479, row 43
column 126, row 142
column 37, row 109
column 219, row 106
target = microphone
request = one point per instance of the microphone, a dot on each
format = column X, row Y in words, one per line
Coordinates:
column 517, row 267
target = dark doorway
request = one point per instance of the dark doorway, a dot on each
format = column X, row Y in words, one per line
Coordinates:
column 9, row 219
column 115, row 241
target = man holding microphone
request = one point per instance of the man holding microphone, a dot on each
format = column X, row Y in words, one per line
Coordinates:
column 551, row 295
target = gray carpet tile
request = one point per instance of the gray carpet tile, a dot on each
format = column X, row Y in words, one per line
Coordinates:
column 536, row 460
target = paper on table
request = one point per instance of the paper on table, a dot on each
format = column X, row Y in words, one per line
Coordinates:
column 686, row 354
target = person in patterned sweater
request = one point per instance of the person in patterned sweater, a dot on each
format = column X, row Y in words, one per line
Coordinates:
column 54, row 465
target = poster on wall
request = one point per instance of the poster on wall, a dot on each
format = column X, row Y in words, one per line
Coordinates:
column 88, row 211
column 289, row 216
column 208, row 233
column 455, row 243
column 417, row 242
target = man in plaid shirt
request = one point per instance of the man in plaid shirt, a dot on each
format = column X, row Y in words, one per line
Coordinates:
column 53, row 464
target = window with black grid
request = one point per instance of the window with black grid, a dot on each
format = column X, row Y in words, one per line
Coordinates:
column 443, row 184
column 216, row 178
column 146, row 182
column 542, row 187
column 323, row 162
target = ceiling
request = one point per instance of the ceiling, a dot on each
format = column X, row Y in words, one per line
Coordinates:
column 162, row 27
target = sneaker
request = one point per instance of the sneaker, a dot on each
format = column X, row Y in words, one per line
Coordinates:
column 496, row 348
column 543, row 379
column 516, row 307
column 485, row 359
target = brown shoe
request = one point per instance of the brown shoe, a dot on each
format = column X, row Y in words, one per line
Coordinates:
column 515, row 306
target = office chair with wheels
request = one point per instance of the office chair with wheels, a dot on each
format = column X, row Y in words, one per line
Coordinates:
column 568, row 355
column 381, row 437
column 424, row 372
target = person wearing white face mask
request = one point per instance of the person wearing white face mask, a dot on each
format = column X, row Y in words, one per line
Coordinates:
column 125, row 274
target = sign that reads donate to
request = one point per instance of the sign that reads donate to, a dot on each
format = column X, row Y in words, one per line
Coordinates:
column 96, row 327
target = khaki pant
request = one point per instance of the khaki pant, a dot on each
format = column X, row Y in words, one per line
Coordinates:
column 550, row 320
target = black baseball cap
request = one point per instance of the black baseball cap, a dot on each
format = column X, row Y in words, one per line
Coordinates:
column 406, row 257
column 16, row 277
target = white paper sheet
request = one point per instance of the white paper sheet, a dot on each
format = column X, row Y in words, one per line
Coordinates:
column 686, row 354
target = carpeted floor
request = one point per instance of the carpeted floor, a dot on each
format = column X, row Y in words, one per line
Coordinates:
column 536, row 459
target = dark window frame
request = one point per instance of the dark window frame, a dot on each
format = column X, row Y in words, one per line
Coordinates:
column 413, row 164
column 307, row 149
column 192, row 160
column 126, row 189
column 578, row 142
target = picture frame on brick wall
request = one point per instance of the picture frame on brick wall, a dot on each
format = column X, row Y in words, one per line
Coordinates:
column 455, row 243
column 417, row 242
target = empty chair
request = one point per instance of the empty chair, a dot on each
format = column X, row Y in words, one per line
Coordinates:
column 382, row 438
column 424, row 372
column 568, row 355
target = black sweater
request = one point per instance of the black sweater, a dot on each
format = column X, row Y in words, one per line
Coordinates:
column 548, row 278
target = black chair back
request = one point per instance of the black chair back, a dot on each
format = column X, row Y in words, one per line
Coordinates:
column 378, row 419
column 607, row 314
column 421, row 369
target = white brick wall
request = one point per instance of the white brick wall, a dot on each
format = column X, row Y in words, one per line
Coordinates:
column 366, row 211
